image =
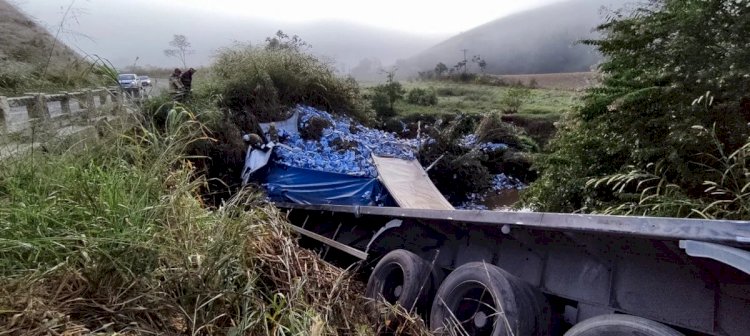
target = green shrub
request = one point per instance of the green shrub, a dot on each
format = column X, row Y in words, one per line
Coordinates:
column 493, row 129
column 514, row 98
column 386, row 95
column 420, row 96
column 382, row 104
column 657, row 86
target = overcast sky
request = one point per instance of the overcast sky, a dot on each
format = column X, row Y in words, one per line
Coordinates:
column 415, row 16
column 346, row 30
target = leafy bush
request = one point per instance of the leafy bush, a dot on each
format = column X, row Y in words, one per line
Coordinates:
column 386, row 95
column 381, row 103
column 420, row 96
column 642, row 119
column 514, row 98
column 493, row 129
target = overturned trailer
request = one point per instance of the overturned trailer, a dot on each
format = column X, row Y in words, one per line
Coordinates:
column 516, row 273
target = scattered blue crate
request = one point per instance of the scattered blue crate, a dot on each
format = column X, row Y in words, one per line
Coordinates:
column 471, row 141
column 356, row 161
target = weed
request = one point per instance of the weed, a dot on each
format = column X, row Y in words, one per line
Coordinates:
column 424, row 97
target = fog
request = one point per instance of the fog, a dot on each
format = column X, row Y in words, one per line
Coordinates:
column 543, row 40
column 538, row 40
column 122, row 33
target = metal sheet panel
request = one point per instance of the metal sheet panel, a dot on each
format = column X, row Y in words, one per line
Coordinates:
column 409, row 184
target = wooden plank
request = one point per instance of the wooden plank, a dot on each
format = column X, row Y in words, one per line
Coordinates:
column 330, row 242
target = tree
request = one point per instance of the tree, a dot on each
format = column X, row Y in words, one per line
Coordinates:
column 180, row 49
column 282, row 41
column 645, row 120
column 387, row 94
column 440, row 69
column 480, row 62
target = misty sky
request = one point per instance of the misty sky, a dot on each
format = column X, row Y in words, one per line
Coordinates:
column 414, row 16
column 344, row 30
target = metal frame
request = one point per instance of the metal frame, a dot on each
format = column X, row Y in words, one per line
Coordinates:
column 719, row 231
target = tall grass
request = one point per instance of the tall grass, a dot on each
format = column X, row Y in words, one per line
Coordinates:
column 266, row 80
column 112, row 236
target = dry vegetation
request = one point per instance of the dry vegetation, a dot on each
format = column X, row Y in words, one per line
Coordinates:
column 32, row 59
column 573, row 81
column 112, row 236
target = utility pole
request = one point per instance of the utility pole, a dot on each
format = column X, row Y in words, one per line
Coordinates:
column 465, row 61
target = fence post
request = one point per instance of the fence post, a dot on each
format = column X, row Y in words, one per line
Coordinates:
column 4, row 112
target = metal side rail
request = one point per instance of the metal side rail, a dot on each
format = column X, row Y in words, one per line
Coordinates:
column 718, row 231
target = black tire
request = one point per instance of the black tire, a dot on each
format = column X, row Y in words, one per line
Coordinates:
column 486, row 300
column 402, row 277
column 620, row 325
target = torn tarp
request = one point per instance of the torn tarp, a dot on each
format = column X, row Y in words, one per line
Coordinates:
column 306, row 186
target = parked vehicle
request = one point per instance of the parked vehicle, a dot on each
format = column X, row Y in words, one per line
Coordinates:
column 515, row 273
column 145, row 80
column 130, row 84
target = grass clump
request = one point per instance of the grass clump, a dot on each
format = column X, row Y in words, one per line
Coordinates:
column 112, row 236
column 420, row 96
column 492, row 128
column 457, row 172
column 267, row 80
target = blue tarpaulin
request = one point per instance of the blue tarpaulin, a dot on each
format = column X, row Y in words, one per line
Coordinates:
column 306, row 186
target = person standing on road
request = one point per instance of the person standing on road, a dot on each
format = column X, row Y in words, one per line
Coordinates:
column 175, row 84
column 187, row 80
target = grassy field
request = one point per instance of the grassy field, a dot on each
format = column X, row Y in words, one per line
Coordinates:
column 479, row 99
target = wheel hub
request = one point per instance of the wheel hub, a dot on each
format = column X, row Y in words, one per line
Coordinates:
column 480, row 319
column 397, row 291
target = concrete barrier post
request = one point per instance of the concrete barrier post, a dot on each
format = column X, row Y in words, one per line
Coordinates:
column 88, row 97
column 119, row 102
column 103, row 97
column 65, row 104
column 107, row 94
column 38, row 108
column 4, row 112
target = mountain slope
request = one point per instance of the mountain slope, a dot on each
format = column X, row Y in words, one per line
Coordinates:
column 25, row 53
column 23, row 40
column 542, row 40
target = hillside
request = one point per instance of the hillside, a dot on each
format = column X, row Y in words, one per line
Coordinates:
column 541, row 40
column 25, row 49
